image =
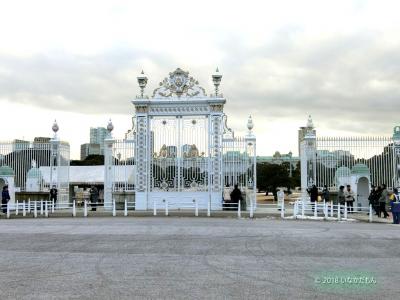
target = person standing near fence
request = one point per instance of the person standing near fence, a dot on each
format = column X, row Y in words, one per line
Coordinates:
column 382, row 201
column 53, row 194
column 94, row 197
column 5, row 197
column 236, row 195
column 349, row 197
column 395, row 206
column 325, row 193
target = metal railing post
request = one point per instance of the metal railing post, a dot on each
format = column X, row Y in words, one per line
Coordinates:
column 41, row 207
column 73, row 208
column 126, row 208
column 370, row 213
column 85, row 212
column 16, row 208
column 114, row 211
column 251, row 209
column 46, row 210
column 331, row 209
column 302, row 209
column 208, row 208
column 283, row 209
column 166, row 207
column 196, row 208
column 239, row 213
column 29, row 205
column 23, row 209
column 52, row 206
column 8, row 210
column 35, row 209
column 339, row 212
column 345, row 210
column 315, row 209
column 154, row 208
column 294, row 210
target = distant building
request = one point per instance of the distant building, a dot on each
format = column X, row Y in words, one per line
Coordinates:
column 279, row 158
column 18, row 145
column 97, row 136
column 89, row 149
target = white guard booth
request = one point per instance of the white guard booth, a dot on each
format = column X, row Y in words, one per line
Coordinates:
column 184, row 153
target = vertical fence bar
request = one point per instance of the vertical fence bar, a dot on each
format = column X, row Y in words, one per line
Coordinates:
column 46, row 209
column 238, row 210
column 29, row 205
column 154, row 208
column 338, row 212
column 23, row 209
column 85, row 210
column 251, row 209
column 8, row 210
column 370, row 214
column 114, row 210
column 41, row 207
column 35, row 209
column 73, row 208
column 283, row 208
column 52, row 206
column 208, row 208
column 126, row 208
column 331, row 209
column 166, row 207
column 315, row 209
column 196, row 209
column 16, row 208
column 345, row 210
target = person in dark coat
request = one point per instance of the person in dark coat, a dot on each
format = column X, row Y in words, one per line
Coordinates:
column 236, row 195
column 395, row 206
column 325, row 193
column 314, row 194
column 341, row 198
column 94, row 197
column 383, row 199
column 53, row 194
column 5, row 197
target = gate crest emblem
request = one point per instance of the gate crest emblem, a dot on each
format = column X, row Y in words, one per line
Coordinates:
column 178, row 84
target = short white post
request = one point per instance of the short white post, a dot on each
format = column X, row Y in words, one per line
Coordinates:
column 208, row 208
column 166, row 207
column 46, row 210
column 338, row 212
column 251, row 209
column 35, row 209
column 8, row 210
column 302, row 209
column 325, row 210
column 29, row 205
column 370, row 213
column 154, row 208
column 24, row 209
column 16, row 208
column 331, row 209
column 294, row 210
column 73, row 208
column 52, row 206
column 238, row 211
column 114, row 212
column 315, row 209
column 345, row 210
column 196, row 208
column 126, row 208
column 283, row 208
column 41, row 207
column 85, row 212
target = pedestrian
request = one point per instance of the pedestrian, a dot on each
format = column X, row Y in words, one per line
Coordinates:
column 236, row 195
column 395, row 206
column 383, row 199
column 325, row 193
column 53, row 194
column 5, row 197
column 94, row 197
column 349, row 197
column 313, row 195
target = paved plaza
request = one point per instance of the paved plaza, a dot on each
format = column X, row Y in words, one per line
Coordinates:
column 200, row 258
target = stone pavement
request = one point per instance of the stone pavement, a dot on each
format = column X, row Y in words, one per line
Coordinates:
column 194, row 258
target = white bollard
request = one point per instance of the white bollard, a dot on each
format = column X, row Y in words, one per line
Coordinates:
column 46, row 210
column 315, row 209
column 29, row 205
column 325, row 210
column 35, row 209
column 331, row 209
column 338, row 212
column 41, row 207
column 154, row 208
column 73, row 208
column 370, row 213
column 52, row 206
column 283, row 208
column 85, row 212
column 208, row 208
column 196, row 208
column 23, row 209
column 8, row 210
column 16, row 208
column 166, row 207
column 294, row 210
column 302, row 209
column 251, row 209
column 239, row 210
column 345, row 210
column 114, row 212
column 126, row 208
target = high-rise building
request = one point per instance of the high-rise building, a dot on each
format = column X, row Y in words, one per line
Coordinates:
column 97, row 136
column 89, row 149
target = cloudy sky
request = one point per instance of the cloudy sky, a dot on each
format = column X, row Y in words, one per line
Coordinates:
column 77, row 61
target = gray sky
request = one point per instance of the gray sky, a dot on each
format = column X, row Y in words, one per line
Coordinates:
column 77, row 61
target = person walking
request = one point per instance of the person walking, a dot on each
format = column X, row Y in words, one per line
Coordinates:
column 5, row 197
column 349, row 197
column 53, row 194
column 94, row 197
column 236, row 195
column 382, row 201
column 313, row 196
column 395, row 206
column 325, row 193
